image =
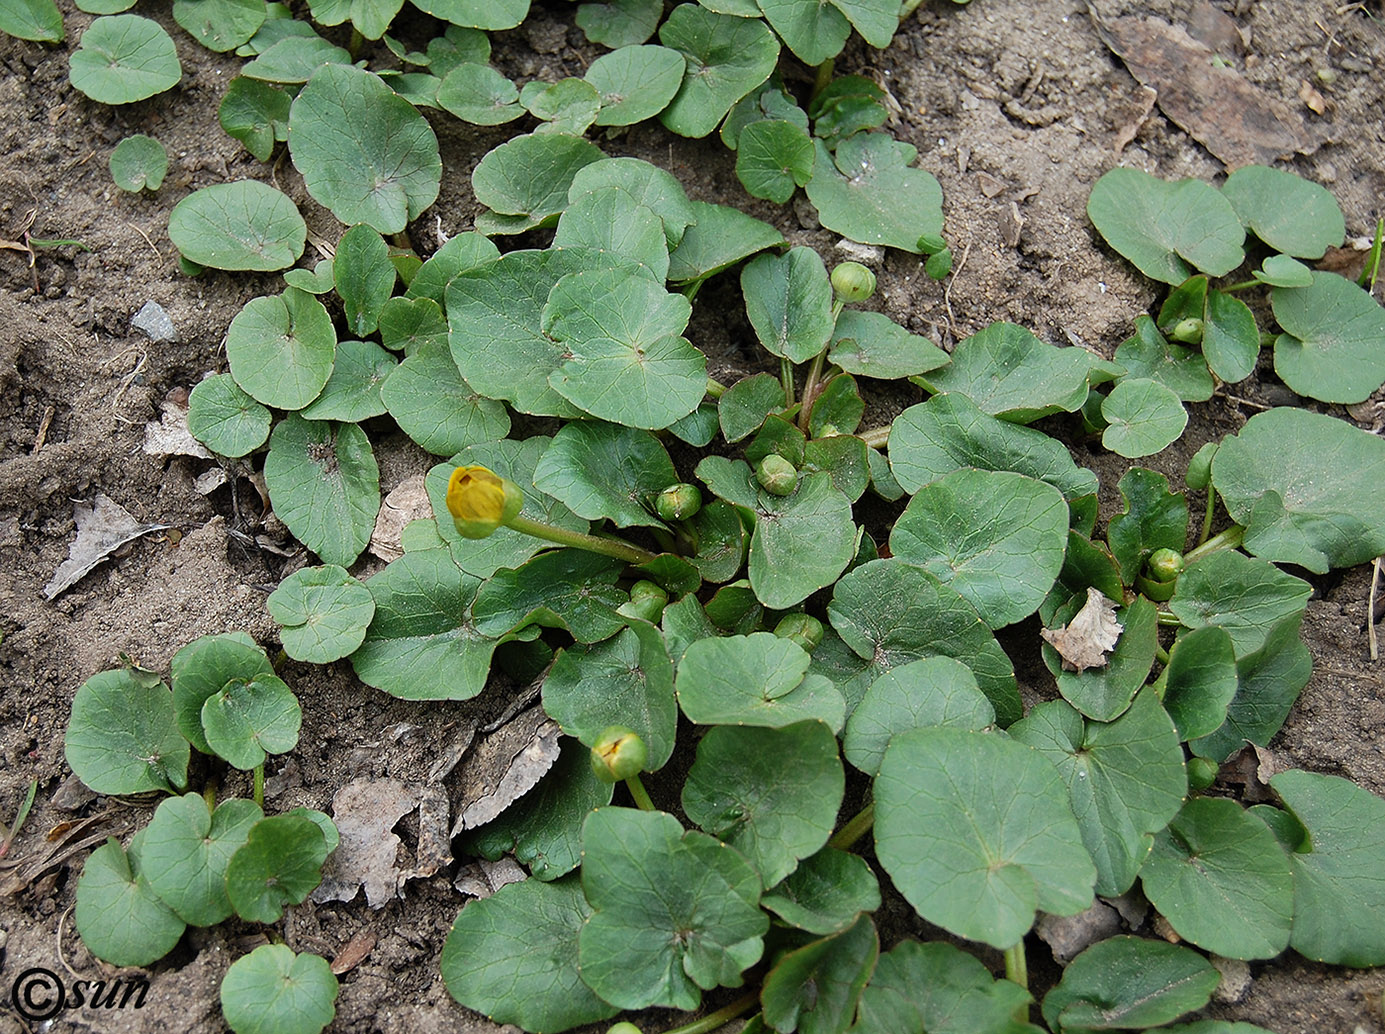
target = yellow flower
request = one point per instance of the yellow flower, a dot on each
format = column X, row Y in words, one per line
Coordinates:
column 481, row 501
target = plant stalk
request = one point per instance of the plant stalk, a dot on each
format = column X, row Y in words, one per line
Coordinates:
column 810, row 390
column 1207, row 516
column 722, row 1016
column 822, row 77
column 1228, row 539
column 876, row 438
column 1017, row 972
column 259, row 785
column 715, row 388
column 856, row 827
column 580, row 540
column 908, row 7
column 637, row 791
column 1161, row 655
column 1243, row 285
column 786, row 378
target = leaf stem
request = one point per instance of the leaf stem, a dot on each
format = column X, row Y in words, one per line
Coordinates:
column 1372, row 268
column 1017, row 972
column 715, row 388
column 822, row 77
column 1168, row 620
column 1161, row 655
column 1228, row 539
column 617, row 548
column 259, row 785
column 856, row 827
column 786, row 378
column 209, row 793
column 1241, row 286
column 1207, row 516
column 724, row 1015
column 810, row 390
column 637, row 791
column 876, row 438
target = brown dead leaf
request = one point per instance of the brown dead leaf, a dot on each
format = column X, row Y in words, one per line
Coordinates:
column 169, row 435
column 365, row 811
column 1312, row 99
column 354, row 951
column 504, row 766
column 481, row 879
column 408, row 502
column 1085, row 641
column 102, row 528
column 1234, row 119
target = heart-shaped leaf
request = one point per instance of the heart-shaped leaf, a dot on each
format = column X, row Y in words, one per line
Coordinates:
column 1333, row 347
column 325, row 486
column 870, row 192
column 124, row 58
column 120, row 918
column 242, row 225
column 186, row 849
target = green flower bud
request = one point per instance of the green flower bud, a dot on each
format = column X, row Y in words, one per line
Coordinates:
column 678, row 502
column 481, row 501
column 777, row 475
column 1202, row 773
column 803, row 629
column 1199, row 474
column 619, row 754
column 931, row 243
column 1165, row 565
column 624, row 1027
column 1188, row 331
column 939, row 264
column 647, row 602
column 852, row 282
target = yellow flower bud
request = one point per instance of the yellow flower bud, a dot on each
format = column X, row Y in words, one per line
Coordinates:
column 481, row 501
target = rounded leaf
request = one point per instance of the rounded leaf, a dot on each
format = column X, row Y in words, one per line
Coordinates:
column 250, row 719
column 324, row 613
column 274, row 991
column 139, row 162
column 279, row 863
column 120, row 918
column 1289, row 213
column 241, row 225
column 124, row 58
column 186, row 849
column 1333, row 347
column 122, row 736
column 225, row 419
column 635, row 83
column 1144, row 417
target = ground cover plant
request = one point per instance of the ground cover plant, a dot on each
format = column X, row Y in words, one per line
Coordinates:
column 749, row 579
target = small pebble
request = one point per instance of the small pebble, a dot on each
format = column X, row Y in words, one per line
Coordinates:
column 1235, row 980
column 155, row 322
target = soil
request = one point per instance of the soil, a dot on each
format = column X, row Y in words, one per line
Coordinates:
column 1015, row 105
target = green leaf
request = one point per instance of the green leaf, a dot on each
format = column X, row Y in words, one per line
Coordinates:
column 742, row 409
column 325, row 486
column 948, row 833
column 1200, row 681
column 251, row 718
column 1010, row 373
column 1248, row 598
column 225, row 419
column 1144, row 417
column 495, row 317
column 368, row 17
column 919, row 695
column 1221, row 880
column 530, row 175
column 221, row 25
column 568, row 106
column 274, row 991
column 318, row 280
column 727, row 57
column 1268, row 682
column 480, row 95
column 635, row 82
column 722, row 542
column 477, row 14
column 122, row 736
column 1287, row 212
column 353, row 391
column 422, row 643
column 294, row 59
column 801, row 543
column 1163, row 228
column 279, row 864
column 940, row 989
column 814, row 32
column 1282, row 271
column 461, row 253
column 138, row 163
column 949, row 431
column 627, row 681
column 826, row 893
column 1333, row 345
column 1230, row 337
column 121, row 920
column 756, row 680
column 875, row 20
column 186, row 849
column 202, row 667
column 839, row 406
column 364, row 152
column 620, row 23
column 890, row 613
column 363, row 277
column 1104, row 693
column 1149, row 354
column 788, row 299
column 324, row 613
column 1153, row 518
column 870, row 344
column 1301, row 483
column 674, row 911
column 282, row 348
column 869, row 192
column 410, row 324
column 546, row 834
column 1125, row 779
column 38, row 20
column 1125, row 983
column 774, row 158
column 604, row 470
column 771, row 793
column 513, row 957
column 720, row 237
column 1338, row 895
column 436, row 408
column 241, row 225
column 814, row 989
column 995, row 537
column 627, row 362
column 124, row 58
column 646, row 184
column 565, row 588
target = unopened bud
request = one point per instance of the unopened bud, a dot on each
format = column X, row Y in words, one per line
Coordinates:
column 1188, row 331
column 1202, row 773
column 777, row 475
column 803, row 629
column 1165, row 565
column 619, row 754
column 852, row 282
column 481, row 501
column 678, row 502
column 647, row 602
